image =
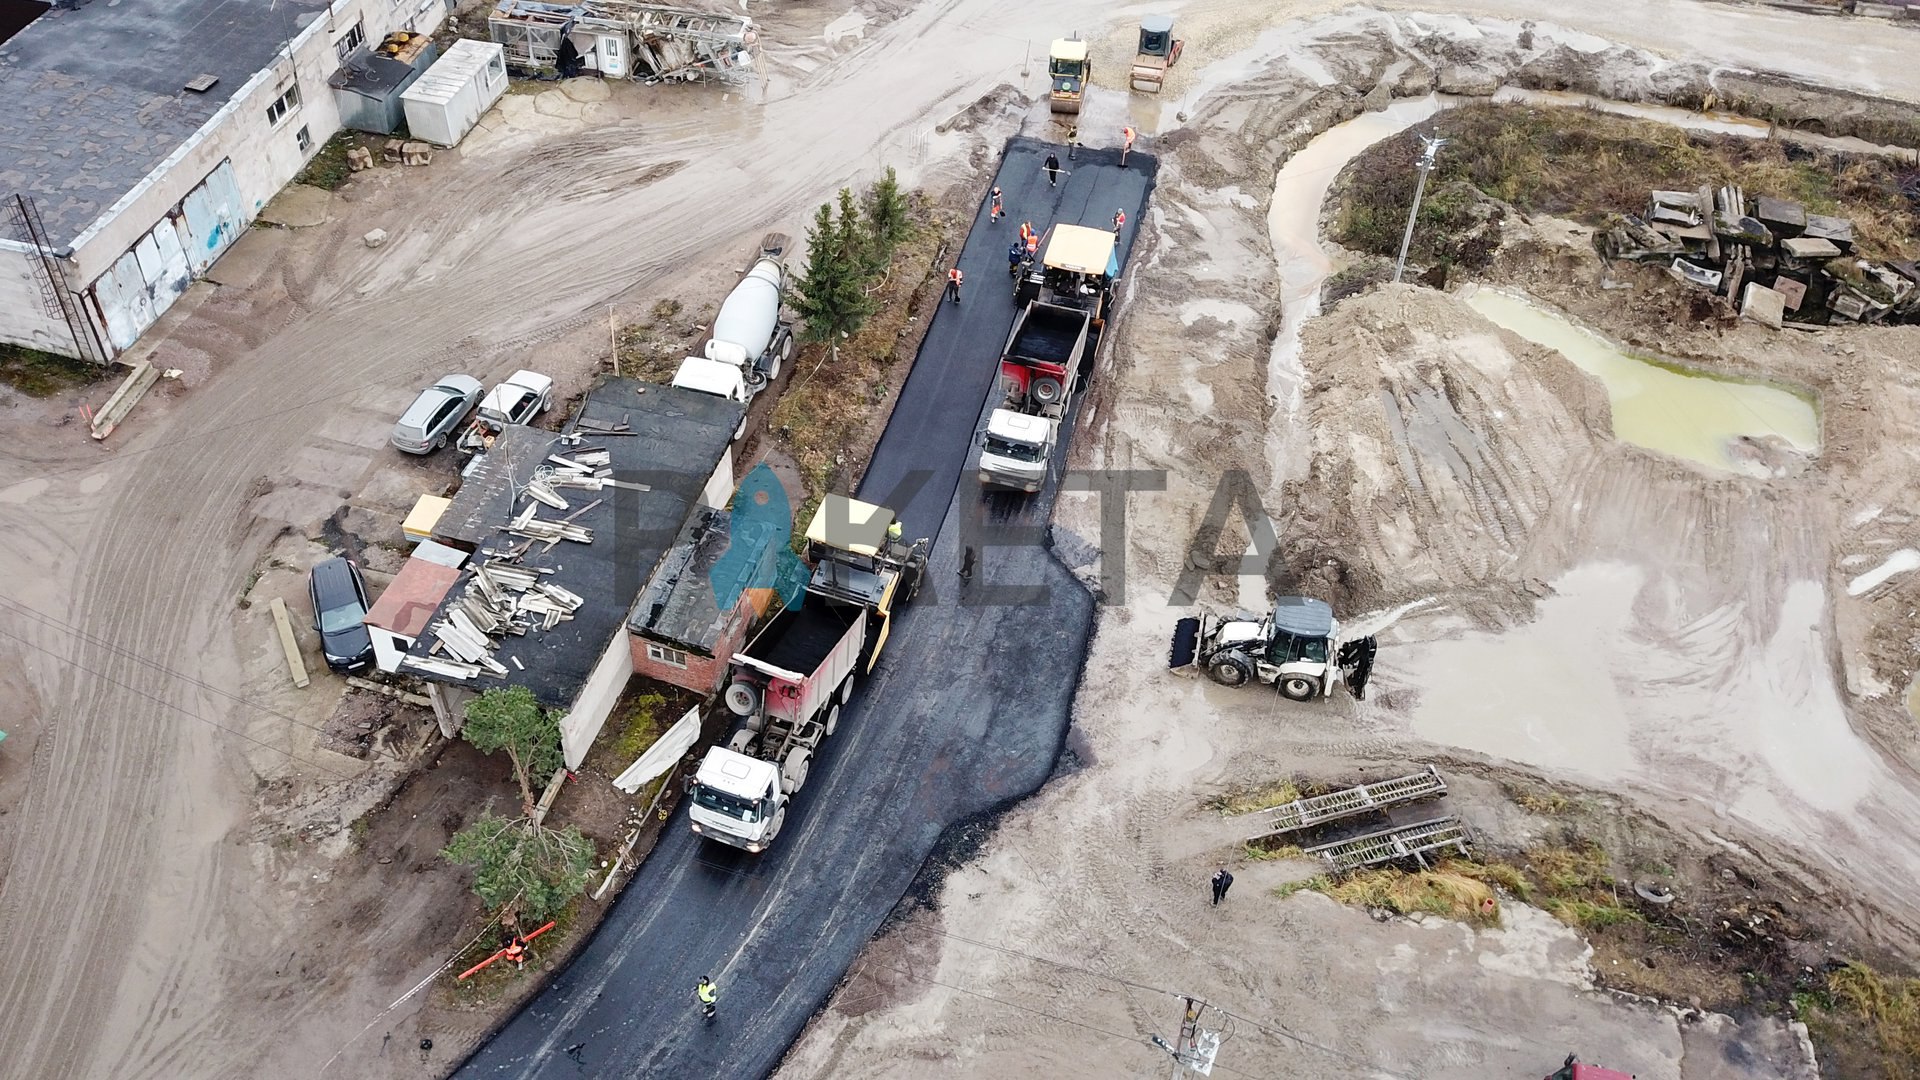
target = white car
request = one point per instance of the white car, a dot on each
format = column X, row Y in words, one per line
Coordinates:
column 517, row 400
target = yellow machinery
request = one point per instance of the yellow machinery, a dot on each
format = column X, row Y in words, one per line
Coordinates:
column 1158, row 52
column 1069, row 70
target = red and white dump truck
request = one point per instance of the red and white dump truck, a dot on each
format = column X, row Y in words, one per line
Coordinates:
column 789, row 683
column 1066, row 299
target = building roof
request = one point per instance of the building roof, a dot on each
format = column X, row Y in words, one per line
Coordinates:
column 681, row 604
column 660, row 464
column 412, row 597
column 95, row 95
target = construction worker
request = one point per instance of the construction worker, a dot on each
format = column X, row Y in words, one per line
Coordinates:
column 895, row 532
column 954, row 277
column 1053, row 169
column 1126, row 145
column 1073, row 140
column 516, row 951
column 1119, row 222
column 996, row 211
column 1015, row 253
column 1033, row 244
column 709, row 996
column 1026, row 233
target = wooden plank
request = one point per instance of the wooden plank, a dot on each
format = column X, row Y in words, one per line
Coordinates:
column 289, row 643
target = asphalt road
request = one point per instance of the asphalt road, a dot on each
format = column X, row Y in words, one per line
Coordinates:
column 966, row 713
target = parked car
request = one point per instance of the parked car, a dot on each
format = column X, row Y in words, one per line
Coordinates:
column 339, row 607
column 433, row 416
column 523, row 396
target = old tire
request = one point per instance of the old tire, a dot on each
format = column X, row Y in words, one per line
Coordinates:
column 1298, row 687
column 793, row 771
column 833, row 718
column 1186, row 641
column 1230, row 669
column 743, row 699
column 1047, row 391
column 846, row 688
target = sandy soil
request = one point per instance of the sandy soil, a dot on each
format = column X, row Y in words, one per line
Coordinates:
column 1601, row 617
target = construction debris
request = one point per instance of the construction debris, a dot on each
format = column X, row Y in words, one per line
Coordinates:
column 1769, row 256
column 664, row 44
column 1391, row 845
column 1335, row 805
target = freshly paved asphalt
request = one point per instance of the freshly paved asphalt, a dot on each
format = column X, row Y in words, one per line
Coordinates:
column 966, row 712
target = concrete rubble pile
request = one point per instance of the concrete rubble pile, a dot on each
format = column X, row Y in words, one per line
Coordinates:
column 1769, row 257
column 622, row 39
column 503, row 597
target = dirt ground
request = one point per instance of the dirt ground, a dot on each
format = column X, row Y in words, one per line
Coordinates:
column 184, row 890
column 1668, row 649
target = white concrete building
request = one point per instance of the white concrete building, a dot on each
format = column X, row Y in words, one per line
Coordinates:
column 138, row 139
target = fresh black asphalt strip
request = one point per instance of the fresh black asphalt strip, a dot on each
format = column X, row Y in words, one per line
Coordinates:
column 966, row 712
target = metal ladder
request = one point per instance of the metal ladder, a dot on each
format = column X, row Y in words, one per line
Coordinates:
column 1320, row 809
column 1389, row 845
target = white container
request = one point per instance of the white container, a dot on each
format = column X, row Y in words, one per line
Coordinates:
column 444, row 104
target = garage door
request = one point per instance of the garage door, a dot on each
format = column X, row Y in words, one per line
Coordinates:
column 145, row 281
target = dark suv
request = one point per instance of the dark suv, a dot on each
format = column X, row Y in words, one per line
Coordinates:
column 339, row 604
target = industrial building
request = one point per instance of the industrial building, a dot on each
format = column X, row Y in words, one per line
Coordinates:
column 140, row 138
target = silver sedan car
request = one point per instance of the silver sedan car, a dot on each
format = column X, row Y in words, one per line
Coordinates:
column 433, row 416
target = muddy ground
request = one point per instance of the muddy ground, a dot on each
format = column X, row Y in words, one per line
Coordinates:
column 1617, row 645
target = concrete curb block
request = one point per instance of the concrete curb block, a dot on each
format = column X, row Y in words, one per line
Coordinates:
column 139, row 380
column 288, row 642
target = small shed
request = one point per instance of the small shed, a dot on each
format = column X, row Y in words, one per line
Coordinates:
column 401, row 614
column 368, row 86
column 445, row 103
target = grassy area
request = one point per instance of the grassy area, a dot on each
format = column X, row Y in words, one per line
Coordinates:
column 1253, row 800
column 1865, row 1023
column 640, row 728
column 1584, row 164
column 43, row 374
column 329, row 168
column 1575, row 883
column 832, row 398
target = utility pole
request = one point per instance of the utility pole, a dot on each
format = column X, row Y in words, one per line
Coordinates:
column 1433, row 145
column 1196, row 1047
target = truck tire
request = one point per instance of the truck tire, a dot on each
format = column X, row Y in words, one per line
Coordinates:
column 1046, row 391
column 1230, row 669
column 1186, row 642
column 793, row 771
column 846, row 689
column 743, row 699
column 1298, row 687
column 779, row 819
column 833, row 718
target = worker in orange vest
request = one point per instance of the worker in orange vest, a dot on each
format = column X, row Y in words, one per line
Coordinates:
column 1119, row 222
column 1026, row 232
column 954, row 277
column 997, row 211
column 516, row 951
column 1126, row 134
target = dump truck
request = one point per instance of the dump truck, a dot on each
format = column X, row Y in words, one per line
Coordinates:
column 788, row 684
column 1297, row 649
column 1046, row 354
column 749, row 341
column 1158, row 51
column 1069, row 71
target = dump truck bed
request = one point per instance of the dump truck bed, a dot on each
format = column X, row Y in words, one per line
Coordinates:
column 798, row 640
column 1048, row 334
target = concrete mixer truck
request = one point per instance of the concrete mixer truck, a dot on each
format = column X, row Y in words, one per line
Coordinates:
column 748, row 342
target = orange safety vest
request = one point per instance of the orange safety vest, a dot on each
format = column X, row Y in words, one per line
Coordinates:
column 1127, row 132
column 1119, row 218
column 1033, row 244
column 954, row 275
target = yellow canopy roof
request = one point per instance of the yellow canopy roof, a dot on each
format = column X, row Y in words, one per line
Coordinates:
column 1080, row 249
column 1069, row 49
column 850, row 525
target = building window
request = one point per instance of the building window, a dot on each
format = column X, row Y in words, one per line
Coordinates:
column 350, row 41
column 660, row 654
column 304, row 139
column 283, row 105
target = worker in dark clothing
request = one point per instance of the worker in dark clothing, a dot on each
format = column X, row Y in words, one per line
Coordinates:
column 953, row 284
column 1015, row 253
column 1222, row 881
column 709, row 996
column 966, row 564
column 996, row 210
column 1053, row 169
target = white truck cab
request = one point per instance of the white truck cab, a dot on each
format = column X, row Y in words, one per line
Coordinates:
column 1016, row 450
column 737, row 800
column 717, row 378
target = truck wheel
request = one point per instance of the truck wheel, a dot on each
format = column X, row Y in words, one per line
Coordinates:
column 743, row 699
column 793, row 773
column 846, row 689
column 833, row 718
column 1232, row 669
column 1298, row 687
column 779, row 358
column 779, row 819
column 1046, row 391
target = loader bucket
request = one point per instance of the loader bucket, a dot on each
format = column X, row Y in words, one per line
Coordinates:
column 1186, row 643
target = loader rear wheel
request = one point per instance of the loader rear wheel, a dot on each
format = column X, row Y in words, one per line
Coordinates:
column 1298, row 687
column 1186, row 641
column 1232, row 669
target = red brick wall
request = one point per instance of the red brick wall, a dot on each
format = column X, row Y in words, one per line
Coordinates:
column 702, row 675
